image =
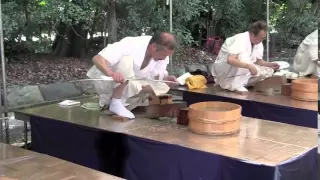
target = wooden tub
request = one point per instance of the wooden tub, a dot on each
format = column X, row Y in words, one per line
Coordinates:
column 214, row 118
column 305, row 89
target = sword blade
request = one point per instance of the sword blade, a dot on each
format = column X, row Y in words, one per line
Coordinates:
column 131, row 79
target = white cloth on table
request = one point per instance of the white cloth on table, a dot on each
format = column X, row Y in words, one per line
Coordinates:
column 234, row 78
column 126, row 57
column 306, row 58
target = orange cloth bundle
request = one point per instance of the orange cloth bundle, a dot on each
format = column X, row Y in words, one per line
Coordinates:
column 196, row 82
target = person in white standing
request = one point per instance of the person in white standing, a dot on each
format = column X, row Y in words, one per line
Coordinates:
column 240, row 61
column 133, row 57
column 306, row 60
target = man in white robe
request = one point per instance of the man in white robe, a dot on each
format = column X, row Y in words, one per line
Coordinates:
column 240, row 61
column 306, row 60
column 133, row 57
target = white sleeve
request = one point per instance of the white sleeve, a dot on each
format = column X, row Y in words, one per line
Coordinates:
column 259, row 51
column 235, row 45
column 313, row 53
column 113, row 52
column 161, row 68
column 314, row 49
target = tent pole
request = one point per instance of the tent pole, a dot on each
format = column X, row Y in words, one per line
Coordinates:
column 4, row 100
column 268, row 32
column 169, row 2
column 171, row 68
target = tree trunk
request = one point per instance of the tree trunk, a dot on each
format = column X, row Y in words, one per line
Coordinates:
column 70, row 41
column 315, row 7
column 92, row 30
column 105, row 40
column 94, row 22
column 200, row 38
column 27, row 27
column 112, row 22
column 26, row 13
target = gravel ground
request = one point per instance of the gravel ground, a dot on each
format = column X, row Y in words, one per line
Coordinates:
column 33, row 69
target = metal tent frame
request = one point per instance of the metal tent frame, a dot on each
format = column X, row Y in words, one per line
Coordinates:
column 3, row 99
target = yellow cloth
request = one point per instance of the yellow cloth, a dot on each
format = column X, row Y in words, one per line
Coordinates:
column 196, row 82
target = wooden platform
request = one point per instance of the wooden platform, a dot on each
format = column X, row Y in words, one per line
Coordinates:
column 19, row 164
column 276, row 98
column 259, row 141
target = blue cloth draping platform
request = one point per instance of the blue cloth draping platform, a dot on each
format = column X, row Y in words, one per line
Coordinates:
column 164, row 161
column 137, row 158
column 272, row 111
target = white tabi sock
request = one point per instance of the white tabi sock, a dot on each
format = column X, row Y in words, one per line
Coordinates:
column 242, row 89
column 117, row 107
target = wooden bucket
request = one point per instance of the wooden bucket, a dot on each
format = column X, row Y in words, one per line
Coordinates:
column 305, row 89
column 214, row 118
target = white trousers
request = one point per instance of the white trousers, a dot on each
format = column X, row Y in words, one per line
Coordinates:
column 132, row 94
column 234, row 78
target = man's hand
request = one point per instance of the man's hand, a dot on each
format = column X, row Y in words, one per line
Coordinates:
column 173, row 79
column 274, row 66
column 117, row 77
column 253, row 70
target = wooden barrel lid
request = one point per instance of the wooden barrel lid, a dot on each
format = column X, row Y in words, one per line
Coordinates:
column 214, row 118
column 215, row 110
column 305, row 85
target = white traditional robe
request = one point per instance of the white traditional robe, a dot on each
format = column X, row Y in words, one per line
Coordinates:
column 234, row 78
column 126, row 57
column 306, row 58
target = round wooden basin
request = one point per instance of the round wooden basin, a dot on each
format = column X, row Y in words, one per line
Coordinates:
column 305, row 89
column 214, row 118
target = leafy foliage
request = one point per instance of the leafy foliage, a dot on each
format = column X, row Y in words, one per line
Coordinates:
column 40, row 19
column 294, row 21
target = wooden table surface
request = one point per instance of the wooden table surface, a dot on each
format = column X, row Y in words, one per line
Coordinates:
column 259, row 141
column 20, row 164
column 275, row 98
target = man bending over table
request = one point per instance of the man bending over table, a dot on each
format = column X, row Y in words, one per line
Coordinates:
column 133, row 57
column 240, row 63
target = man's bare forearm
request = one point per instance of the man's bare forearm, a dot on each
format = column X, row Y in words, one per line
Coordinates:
column 262, row 62
column 102, row 65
